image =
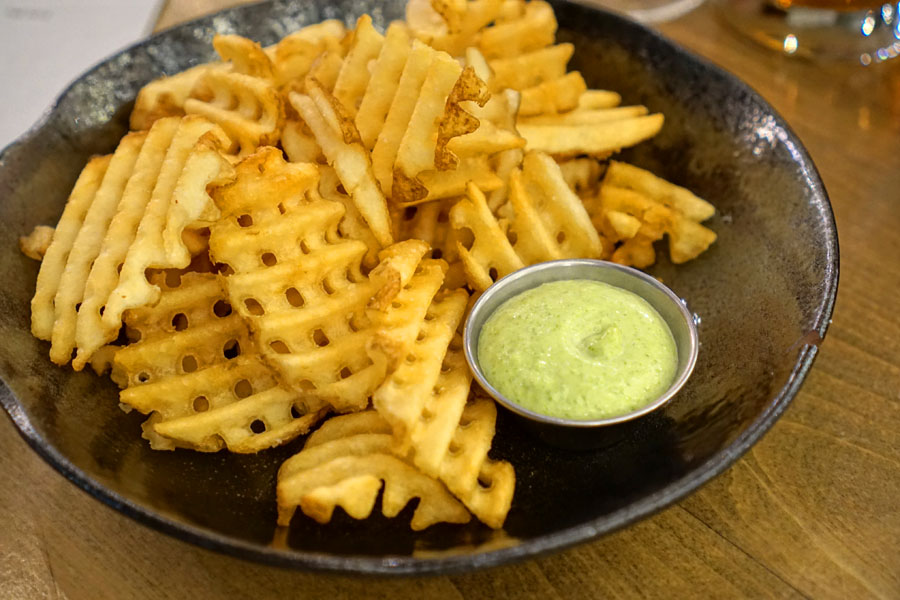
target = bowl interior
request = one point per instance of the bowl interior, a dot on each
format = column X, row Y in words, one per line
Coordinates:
column 764, row 286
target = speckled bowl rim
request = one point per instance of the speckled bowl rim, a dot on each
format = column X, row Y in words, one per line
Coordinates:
column 409, row 565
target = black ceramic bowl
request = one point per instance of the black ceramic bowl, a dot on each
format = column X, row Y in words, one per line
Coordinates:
column 764, row 293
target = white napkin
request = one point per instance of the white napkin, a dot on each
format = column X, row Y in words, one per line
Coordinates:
column 45, row 44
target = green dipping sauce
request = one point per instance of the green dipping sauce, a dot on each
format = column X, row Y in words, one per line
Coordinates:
column 578, row 349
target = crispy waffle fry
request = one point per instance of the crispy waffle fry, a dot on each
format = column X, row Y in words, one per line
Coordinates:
column 346, row 479
column 557, row 95
column 384, row 152
column 245, row 56
column 86, row 246
column 687, row 238
column 485, row 486
column 248, row 108
column 299, row 144
column 379, row 94
column 531, row 69
column 67, row 229
column 457, row 122
column 596, row 99
column 352, row 225
column 623, row 175
column 294, row 55
column 196, row 371
column 550, row 220
column 301, row 285
column 598, row 139
column 450, row 26
column 490, row 255
column 91, row 333
column 535, row 29
column 586, row 116
column 337, row 136
column 165, row 97
column 191, row 163
column 401, row 399
column 418, row 147
column 354, row 74
column 35, row 244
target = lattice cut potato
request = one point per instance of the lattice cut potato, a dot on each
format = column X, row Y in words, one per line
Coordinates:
column 300, row 283
column 165, row 195
column 196, row 371
column 348, row 472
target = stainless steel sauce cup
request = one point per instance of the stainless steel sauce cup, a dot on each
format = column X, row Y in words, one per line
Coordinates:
column 599, row 432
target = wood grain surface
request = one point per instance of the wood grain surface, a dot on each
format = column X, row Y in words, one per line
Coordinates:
column 813, row 510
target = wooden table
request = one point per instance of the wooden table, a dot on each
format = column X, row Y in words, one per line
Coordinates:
column 813, row 510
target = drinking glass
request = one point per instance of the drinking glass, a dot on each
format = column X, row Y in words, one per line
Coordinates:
column 867, row 31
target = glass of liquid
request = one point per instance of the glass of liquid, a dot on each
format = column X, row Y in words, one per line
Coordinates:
column 866, row 31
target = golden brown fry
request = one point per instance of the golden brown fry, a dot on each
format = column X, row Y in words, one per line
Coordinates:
column 402, row 483
column 599, row 139
column 585, row 116
column 35, row 244
column 535, row 29
column 339, row 140
column 179, row 195
column 244, row 55
column 490, row 255
column 531, row 69
column 43, row 313
column 353, row 77
column 556, row 96
column 621, row 174
column 248, row 108
column 87, row 244
column 379, row 94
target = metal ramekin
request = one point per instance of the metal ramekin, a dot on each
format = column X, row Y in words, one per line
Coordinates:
column 571, row 432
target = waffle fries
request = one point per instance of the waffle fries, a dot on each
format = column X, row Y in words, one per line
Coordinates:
column 240, row 298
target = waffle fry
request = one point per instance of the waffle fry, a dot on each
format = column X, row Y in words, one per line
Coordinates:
column 636, row 220
column 549, row 221
column 85, row 247
column 627, row 176
column 165, row 97
column 293, row 56
column 196, row 372
column 245, row 56
column 348, row 473
column 451, row 26
column 401, row 399
column 43, row 313
column 535, row 28
column 35, row 244
column 490, row 255
column 599, row 139
column 531, row 69
column 353, row 77
column 379, row 93
column 337, row 136
column 555, row 96
column 352, row 226
column 313, row 310
column 190, row 163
